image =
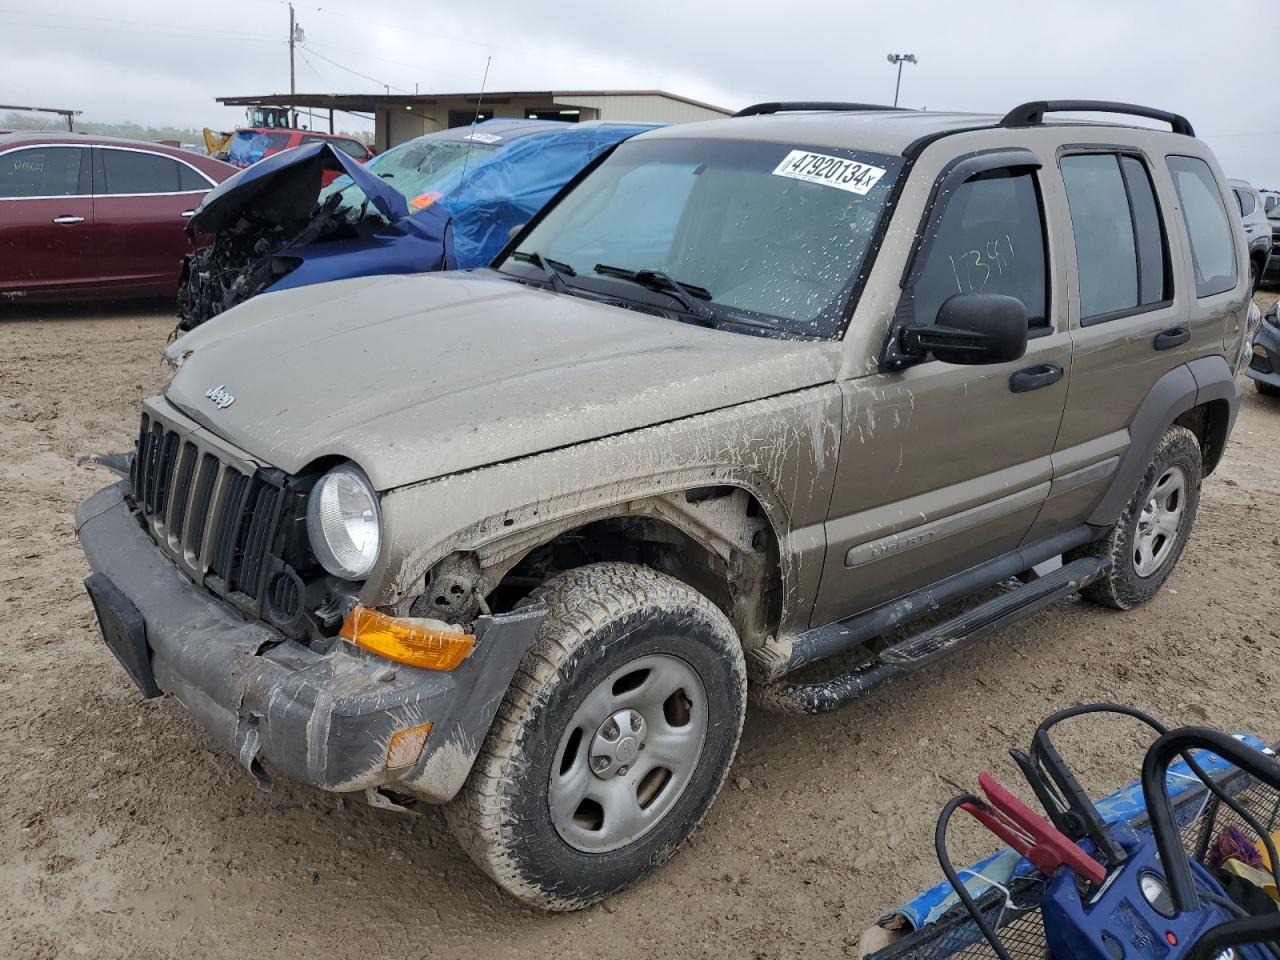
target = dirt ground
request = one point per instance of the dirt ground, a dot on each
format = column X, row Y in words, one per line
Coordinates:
column 125, row 832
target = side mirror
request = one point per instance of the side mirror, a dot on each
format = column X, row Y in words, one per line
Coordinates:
column 511, row 234
column 971, row 328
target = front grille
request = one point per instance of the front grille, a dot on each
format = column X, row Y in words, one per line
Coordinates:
column 214, row 519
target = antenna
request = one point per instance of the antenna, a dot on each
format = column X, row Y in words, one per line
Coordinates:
column 466, row 157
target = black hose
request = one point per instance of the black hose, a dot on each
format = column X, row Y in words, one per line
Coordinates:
column 944, row 860
column 1187, row 758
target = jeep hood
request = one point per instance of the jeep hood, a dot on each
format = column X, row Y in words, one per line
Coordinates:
column 415, row 377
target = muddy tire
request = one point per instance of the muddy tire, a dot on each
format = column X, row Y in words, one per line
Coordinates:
column 1267, row 389
column 612, row 741
column 1147, row 540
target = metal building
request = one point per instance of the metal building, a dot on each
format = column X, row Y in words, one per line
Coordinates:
column 400, row 117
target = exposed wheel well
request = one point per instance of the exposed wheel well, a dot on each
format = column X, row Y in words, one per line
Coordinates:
column 1209, row 422
column 717, row 539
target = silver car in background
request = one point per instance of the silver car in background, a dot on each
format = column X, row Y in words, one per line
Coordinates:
column 1257, row 229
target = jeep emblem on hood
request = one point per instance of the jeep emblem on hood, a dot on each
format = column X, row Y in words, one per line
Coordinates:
column 220, row 397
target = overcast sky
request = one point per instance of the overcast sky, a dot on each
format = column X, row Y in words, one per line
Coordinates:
column 163, row 63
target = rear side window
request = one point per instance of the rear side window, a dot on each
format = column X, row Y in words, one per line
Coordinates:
column 40, row 172
column 1120, row 248
column 351, row 148
column 1244, row 199
column 189, row 180
column 990, row 240
column 1208, row 228
column 130, row 172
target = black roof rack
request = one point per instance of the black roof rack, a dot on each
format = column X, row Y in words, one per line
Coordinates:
column 788, row 106
column 1032, row 114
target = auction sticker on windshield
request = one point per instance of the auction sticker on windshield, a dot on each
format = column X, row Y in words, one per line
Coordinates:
column 838, row 172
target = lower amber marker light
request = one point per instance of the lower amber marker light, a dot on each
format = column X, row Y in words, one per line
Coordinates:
column 406, row 641
column 406, row 746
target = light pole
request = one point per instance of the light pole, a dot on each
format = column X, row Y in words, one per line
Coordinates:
column 900, row 59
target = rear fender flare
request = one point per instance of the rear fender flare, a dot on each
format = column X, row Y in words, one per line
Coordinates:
column 1181, row 389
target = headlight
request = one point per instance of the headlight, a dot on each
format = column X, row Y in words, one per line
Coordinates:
column 343, row 523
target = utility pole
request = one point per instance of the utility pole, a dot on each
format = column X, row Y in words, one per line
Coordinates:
column 899, row 59
column 293, row 29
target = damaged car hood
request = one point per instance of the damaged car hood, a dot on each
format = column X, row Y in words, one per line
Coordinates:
column 284, row 186
column 416, row 377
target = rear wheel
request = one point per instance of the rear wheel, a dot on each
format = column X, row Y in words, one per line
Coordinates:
column 1255, row 276
column 612, row 742
column 1152, row 530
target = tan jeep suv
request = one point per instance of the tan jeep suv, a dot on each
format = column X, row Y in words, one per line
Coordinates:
column 749, row 396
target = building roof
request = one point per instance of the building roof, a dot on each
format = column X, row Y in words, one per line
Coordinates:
column 371, row 101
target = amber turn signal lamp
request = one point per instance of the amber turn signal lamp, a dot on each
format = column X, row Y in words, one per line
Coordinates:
column 405, row 641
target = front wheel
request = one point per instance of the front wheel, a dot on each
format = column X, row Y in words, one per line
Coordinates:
column 612, row 742
column 1148, row 538
column 1267, row 389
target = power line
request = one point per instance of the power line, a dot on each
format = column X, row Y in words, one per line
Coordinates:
column 398, row 63
column 138, row 23
column 135, row 33
column 363, row 76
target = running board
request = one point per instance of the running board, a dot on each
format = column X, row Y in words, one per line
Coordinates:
column 931, row 645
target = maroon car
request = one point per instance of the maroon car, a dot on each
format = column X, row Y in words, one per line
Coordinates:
column 84, row 216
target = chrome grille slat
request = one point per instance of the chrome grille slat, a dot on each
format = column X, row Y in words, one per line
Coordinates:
column 180, row 500
column 214, row 513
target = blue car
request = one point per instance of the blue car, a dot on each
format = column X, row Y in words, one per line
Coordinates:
column 444, row 201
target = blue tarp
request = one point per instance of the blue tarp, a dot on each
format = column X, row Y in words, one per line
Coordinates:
column 506, row 187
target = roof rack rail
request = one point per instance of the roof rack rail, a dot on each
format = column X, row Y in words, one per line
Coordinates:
column 1031, row 114
column 788, row 106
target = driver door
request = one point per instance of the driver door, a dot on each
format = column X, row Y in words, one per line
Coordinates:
column 943, row 466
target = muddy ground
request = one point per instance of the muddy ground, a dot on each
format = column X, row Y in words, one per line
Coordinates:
column 125, row 832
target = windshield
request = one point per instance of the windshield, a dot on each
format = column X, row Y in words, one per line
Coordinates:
column 415, row 169
column 1272, row 203
column 759, row 231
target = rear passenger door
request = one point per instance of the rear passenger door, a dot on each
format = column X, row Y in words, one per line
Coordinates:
column 1131, row 325
column 944, row 466
column 142, row 201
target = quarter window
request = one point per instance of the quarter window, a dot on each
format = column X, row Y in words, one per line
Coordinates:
column 1120, row 248
column 1245, row 200
column 131, row 172
column 990, row 240
column 190, row 181
column 1212, row 250
column 40, row 172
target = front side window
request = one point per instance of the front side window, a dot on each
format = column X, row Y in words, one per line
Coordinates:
column 990, row 239
column 40, row 172
column 769, row 235
column 130, row 172
column 1120, row 248
column 1212, row 250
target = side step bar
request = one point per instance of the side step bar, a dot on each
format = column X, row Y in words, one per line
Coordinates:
column 936, row 642
column 820, row 643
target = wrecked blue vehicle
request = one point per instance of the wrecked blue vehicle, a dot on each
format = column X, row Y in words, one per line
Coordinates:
column 444, row 201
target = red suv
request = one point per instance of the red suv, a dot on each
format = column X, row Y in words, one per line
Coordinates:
column 96, row 216
column 251, row 144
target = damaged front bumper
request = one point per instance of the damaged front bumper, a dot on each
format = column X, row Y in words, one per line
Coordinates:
column 326, row 719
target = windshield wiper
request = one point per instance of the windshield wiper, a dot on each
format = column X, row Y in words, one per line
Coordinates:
column 688, row 296
column 555, row 270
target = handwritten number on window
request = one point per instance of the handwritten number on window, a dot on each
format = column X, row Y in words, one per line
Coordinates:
column 973, row 269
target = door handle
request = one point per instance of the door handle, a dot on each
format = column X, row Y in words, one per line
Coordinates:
column 187, row 213
column 68, row 219
column 1173, row 337
column 1033, row 378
